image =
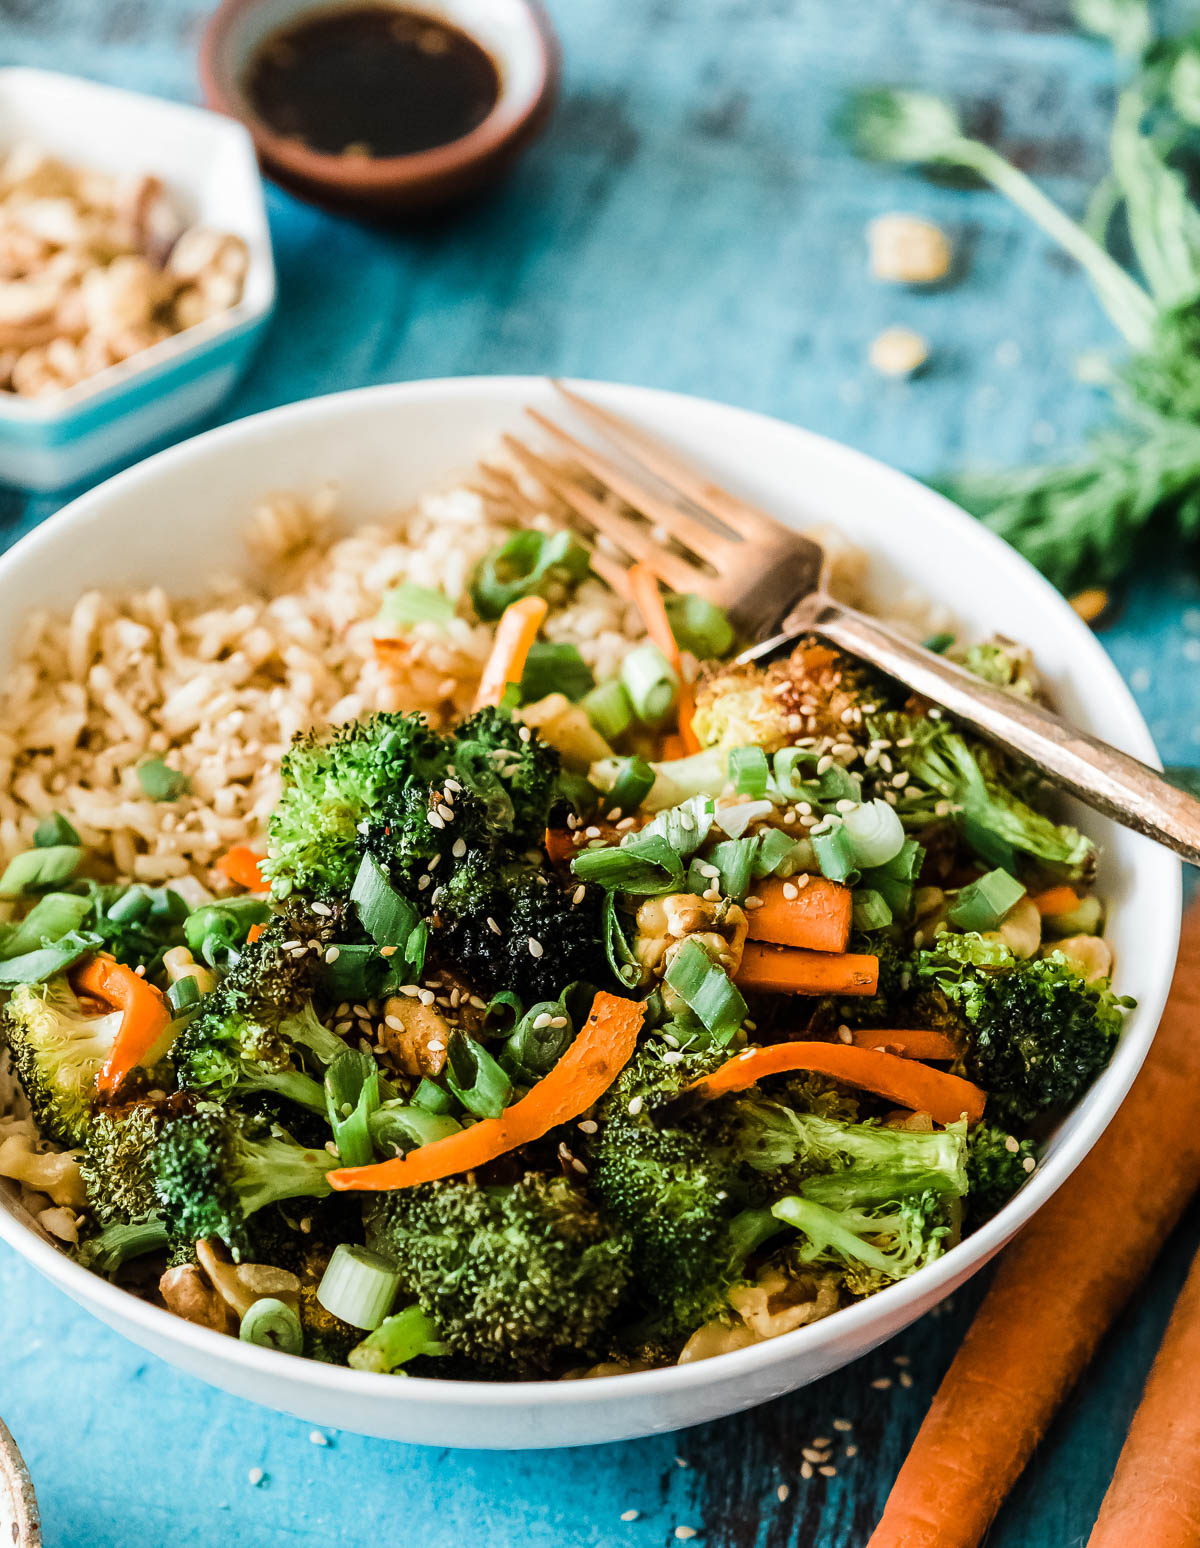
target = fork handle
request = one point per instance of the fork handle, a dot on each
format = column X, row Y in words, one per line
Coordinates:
column 1121, row 787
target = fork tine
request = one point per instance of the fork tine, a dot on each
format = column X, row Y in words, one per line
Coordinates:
column 744, row 519
column 628, row 535
column 685, row 529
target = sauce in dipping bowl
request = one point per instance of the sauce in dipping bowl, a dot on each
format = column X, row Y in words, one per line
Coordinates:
column 382, row 108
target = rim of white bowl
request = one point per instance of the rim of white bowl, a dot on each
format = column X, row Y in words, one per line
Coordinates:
column 1101, row 1100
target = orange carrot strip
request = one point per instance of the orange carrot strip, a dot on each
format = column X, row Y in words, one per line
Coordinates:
column 1058, row 1289
column 241, row 865
column 672, row 746
column 1055, row 901
column 1154, row 1496
column 253, row 933
column 515, row 633
column 909, row 1042
column 643, row 588
column 144, row 1013
column 815, row 916
column 581, row 1077
column 560, row 846
column 790, row 970
column 903, row 1081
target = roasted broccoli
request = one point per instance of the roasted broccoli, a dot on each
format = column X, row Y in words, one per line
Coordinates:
column 872, row 1239
column 994, row 821
column 212, row 1173
column 511, row 770
column 333, row 783
column 257, row 1030
column 116, row 1163
column 997, row 1165
column 121, row 1242
column 1038, row 1034
column 57, row 1052
column 515, row 1278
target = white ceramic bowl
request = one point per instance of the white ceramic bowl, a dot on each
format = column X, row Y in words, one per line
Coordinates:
column 382, row 446
column 208, row 162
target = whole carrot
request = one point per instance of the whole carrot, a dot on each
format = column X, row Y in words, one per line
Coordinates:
column 1155, row 1493
column 1056, row 1292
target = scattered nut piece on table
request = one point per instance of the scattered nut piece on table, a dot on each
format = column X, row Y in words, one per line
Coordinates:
column 908, row 250
column 898, row 352
column 95, row 268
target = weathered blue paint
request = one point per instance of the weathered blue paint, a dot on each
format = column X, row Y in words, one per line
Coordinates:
column 690, row 221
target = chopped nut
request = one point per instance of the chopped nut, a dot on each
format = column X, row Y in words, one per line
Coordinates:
column 908, row 250
column 898, row 352
column 414, row 1033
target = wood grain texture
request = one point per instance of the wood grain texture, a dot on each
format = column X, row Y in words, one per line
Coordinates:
column 690, row 221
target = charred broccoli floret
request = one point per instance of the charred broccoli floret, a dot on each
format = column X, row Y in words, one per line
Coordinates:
column 333, row 783
column 258, row 1030
column 57, row 1052
column 1038, row 1033
column 997, row 1165
column 212, row 1174
column 511, row 770
column 515, row 1278
column 871, row 1239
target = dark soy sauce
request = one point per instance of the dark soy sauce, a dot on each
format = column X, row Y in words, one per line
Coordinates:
column 375, row 81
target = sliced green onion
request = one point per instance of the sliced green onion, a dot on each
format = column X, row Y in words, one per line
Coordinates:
column 984, row 903
column 735, row 860
column 576, row 791
column 34, row 869
column 538, row 1041
column 475, row 1077
column 387, row 917
column 620, row 954
column 502, row 1014
column 685, row 827
column 53, row 830
column 522, row 566
column 875, row 832
column 698, row 625
column 647, row 868
column 430, row 1096
column 633, row 783
column 183, row 994
column 161, row 783
column 51, row 917
column 706, row 990
column 131, row 907
column 409, row 603
column 779, row 854
column 838, row 784
column 871, row 910
column 734, row 817
column 396, row 1341
column 215, row 930
column 351, row 1096
column 834, row 851
column 749, row 771
column 397, row 1128
column 650, row 683
column 939, row 643
column 905, row 864
column 555, row 668
column 358, row 1286
column 609, row 710
column 166, row 903
column 272, row 1324
column 35, row 967
column 793, row 773
column 981, row 840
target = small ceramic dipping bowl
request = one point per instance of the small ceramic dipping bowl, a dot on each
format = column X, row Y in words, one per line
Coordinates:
column 517, row 36
column 20, row 1524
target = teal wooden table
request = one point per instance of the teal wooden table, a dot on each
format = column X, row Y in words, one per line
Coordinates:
column 688, row 222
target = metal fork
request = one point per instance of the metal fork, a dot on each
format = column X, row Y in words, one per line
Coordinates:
column 696, row 536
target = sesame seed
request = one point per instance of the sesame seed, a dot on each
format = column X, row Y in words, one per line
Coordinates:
column 426, row 996
column 459, row 849
column 525, row 734
column 559, row 1021
column 411, row 990
column 686, row 821
column 822, row 1441
column 630, row 1515
column 824, row 764
column 317, row 1438
column 900, row 780
column 1012, row 1145
column 435, row 820
column 535, row 947
column 635, row 1106
column 626, row 823
column 593, row 832
column 434, row 863
column 711, row 894
column 782, row 1493
column 394, row 1022
column 435, row 1047
column 579, row 894
column 446, row 812
column 614, row 814
column 579, row 1166
column 541, row 1021
column 343, row 1027
column 790, row 890
column 388, row 951
column 905, row 1379
column 493, row 926
column 845, row 1034
column 901, row 1360
column 803, row 880
column 882, row 1383
column 789, row 817
column 753, row 901
column 256, row 1476
column 288, row 945
column 588, row 1125
column 851, row 1451
column 842, row 1425
column 423, row 882
column 846, row 805
column 1028, row 1164
column 827, row 1472
column 332, row 953
column 323, row 909
column 811, row 1455
column 684, row 1532
column 806, row 1469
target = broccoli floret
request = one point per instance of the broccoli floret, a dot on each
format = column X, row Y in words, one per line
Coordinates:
column 116, row 1163
column 871, row 1241
column 490, row 923
column 506, row 766
column 734, row 708
column 997, row 1165
column 993, row 819
column 515, row 1278
column 256, row 1030
column 212, row 1174
column 57, row 1053
column 330, row 785
column 1038, row 1034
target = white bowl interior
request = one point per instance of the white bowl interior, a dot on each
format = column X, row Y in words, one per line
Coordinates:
column 207, row 162
column 177, row 518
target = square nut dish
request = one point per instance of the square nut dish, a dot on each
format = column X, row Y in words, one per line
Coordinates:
column 136, row 276
column 97, row 267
